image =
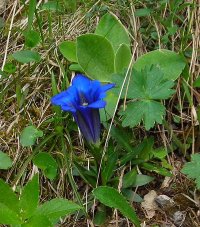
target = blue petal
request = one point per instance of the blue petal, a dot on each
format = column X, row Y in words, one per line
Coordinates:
column 107, row 87
column 98, row 104
column 68, row 108
column 88, row 121
column 67, row 97
column 81, row 82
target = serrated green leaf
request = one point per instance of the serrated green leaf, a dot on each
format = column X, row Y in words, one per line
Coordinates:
column 96, row 56
column 112, row 29
column 8, row 197
column 5, row 161
column 57, row 208
column 29, row 135
column 169, row 62
column 47, row 163
column 112, row 198
column 26, row 56
column 29, row 198
column 8, row 216
column 146, row 86
column 149, row 83
column 192, row 169
column 68, row 50
column 122, row 58
column 148, row 110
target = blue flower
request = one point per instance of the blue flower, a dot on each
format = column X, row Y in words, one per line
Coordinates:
column 84, row 99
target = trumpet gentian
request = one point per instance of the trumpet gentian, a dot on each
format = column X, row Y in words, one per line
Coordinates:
column 83, row 99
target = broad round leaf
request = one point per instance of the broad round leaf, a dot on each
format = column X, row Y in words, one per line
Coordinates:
column 122, row 58
column 68, row 50
column 29, row 136
column 108, row 111
column 111, row 28
column 26, row 56
column 169, row 62
column 96, row 56
column 5, row 161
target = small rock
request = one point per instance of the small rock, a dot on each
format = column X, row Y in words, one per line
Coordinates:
column 149, row 204
column 164, row 200
column 178, row 218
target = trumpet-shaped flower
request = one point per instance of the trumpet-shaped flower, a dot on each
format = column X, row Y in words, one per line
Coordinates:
column 83, row 99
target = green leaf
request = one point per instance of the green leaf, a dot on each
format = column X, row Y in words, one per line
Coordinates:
column 8, row 216
column 157, row 169
column 141, row 180
column 76, row 68
column 169, row 62
column 148, row 110
column 29, row 198
column 8, row 197
column 38, row 220
column 143, row 12
column 31, row 11
column 9, row 68
column 146, row 86
column 29, row 135
column 129, row 178
column 100, row 216
column 26, row 56
column 32, row 38
column 122, row 58
column 47, row 163
column 197, row 82
column 124, row 141
column 5, row 161
column 192, row 169
column 68, row 50
column 52, row 6
column 132, row 196
column 108, row 111
column 112, row 198
column 57, row 208
column 160, row 153
column 96, row 56
column 112, row 29
column 109, row 165
column 86, row 174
